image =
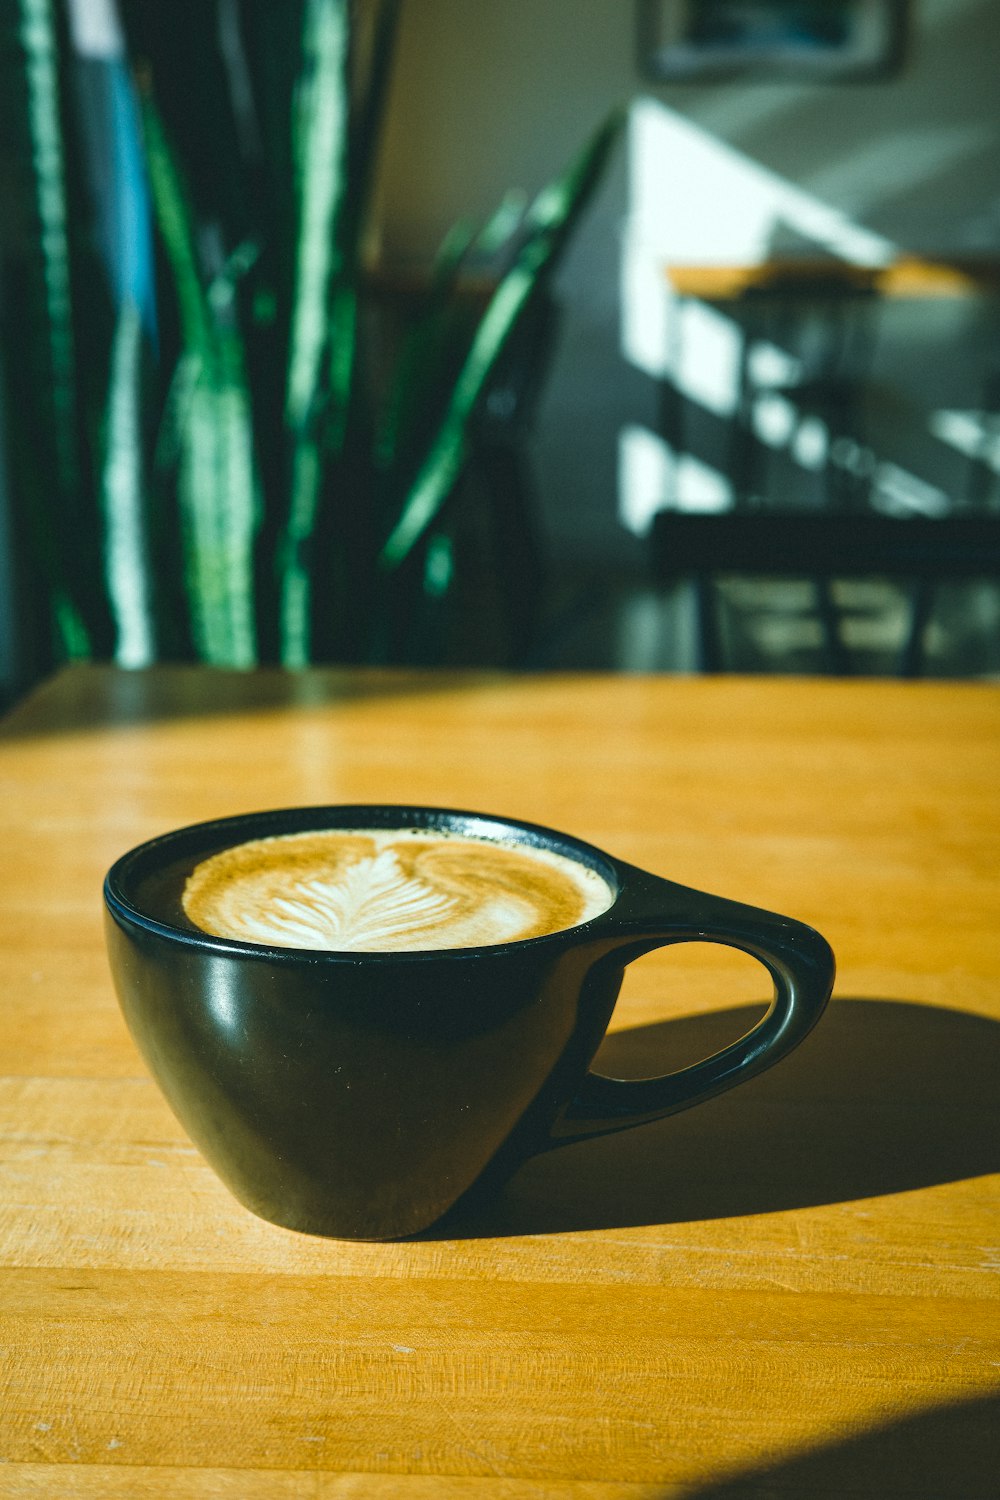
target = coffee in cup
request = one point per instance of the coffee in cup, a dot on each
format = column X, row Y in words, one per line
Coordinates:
column 376, row 890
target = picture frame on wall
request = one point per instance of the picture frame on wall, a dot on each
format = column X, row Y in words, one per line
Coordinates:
column 693, row 41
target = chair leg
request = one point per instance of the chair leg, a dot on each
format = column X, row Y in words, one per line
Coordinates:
column 838, row 658
column 921, row 604
column 709, row 640
column 518, row 553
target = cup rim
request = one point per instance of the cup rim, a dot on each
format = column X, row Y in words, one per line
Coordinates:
column 202, row 839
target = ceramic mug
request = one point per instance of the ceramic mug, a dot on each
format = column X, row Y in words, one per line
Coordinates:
column 361, row 1095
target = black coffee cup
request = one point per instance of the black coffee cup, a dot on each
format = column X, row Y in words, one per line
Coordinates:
column 361, row 1095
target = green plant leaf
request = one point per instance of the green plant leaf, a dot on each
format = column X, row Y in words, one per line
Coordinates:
column 37, row 39
column 218, row 488
column 128, row 564
column 552, row 217
column 218, row 494
column 367, row 121
column 320, row 144
column 428, row 348
column 321, row 155
column 143, row 473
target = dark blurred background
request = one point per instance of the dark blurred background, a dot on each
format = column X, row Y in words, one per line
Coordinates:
column 849, row 363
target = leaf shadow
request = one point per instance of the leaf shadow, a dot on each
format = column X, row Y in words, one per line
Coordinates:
column 884, row 1096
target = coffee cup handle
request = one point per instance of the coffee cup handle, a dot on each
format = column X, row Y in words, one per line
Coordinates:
column 799, row 960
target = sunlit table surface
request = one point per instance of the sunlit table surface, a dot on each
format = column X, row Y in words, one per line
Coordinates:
column 789, row 1291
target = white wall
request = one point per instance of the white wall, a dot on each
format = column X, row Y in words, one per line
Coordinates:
column 499, row 94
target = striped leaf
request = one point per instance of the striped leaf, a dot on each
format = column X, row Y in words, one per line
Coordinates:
column 128, row 562
column 38, row 43
column 218, row 490
column 320, row 146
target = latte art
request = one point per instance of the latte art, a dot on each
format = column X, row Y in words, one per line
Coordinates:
column 376, row 890
column 371, row 903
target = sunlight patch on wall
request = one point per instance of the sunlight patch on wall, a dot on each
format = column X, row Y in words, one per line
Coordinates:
column 897, row 492
column 696, row 200
column 707, row 364
column 976, row 434
column 652, row 477
column 648, row 333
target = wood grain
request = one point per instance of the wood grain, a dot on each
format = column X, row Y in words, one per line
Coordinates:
column 790, row 1290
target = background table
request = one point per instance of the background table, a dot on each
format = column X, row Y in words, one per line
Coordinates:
column 906, row 276
column 791, row 1290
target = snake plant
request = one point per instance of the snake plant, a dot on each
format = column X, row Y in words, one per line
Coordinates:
column 220, row 468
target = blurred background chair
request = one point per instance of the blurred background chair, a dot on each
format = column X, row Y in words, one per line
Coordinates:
column 805, row 382
column 808, row 332
column 922, row 552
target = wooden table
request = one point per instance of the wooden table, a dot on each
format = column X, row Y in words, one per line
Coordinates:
column 907, row 276
column 792, row 1290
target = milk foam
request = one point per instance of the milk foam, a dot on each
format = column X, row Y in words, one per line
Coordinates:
column 377, row 890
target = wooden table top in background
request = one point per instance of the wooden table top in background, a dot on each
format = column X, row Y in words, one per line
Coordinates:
column 908, row 276
column 790, row 1290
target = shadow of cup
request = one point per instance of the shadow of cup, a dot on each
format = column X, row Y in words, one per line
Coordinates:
column 883, row 1097
column 946, row 1453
